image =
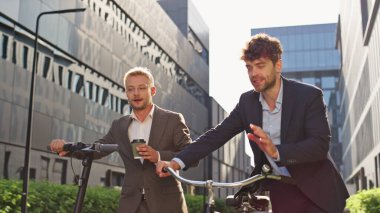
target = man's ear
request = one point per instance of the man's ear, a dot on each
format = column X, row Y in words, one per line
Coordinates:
column 153, row 90
column 278, row 66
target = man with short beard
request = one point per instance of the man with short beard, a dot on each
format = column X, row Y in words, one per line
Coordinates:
column 165, row 133
column 287, row 126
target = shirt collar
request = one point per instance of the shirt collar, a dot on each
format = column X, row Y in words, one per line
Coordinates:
column 133, row 115
column 278, row 101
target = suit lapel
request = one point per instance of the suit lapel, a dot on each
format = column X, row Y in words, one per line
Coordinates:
column 158, row 127
column 255, row 116
column 288, row 101
column 127, row 142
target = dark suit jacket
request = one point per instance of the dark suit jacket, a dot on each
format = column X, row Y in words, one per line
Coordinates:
column 169, row 134
column 305, row 137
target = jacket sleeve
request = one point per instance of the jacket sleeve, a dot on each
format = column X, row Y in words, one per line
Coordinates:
column 212, row 139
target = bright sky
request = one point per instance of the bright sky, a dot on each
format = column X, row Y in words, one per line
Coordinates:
column 230, row 23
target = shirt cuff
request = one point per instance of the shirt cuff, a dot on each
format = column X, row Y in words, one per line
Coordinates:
column 180, row 162
column 159, row 156
column 278, row 157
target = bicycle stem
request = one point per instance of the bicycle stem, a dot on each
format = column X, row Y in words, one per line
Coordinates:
column 210, row 193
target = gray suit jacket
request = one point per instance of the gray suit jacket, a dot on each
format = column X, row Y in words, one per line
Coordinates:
column 169, row 134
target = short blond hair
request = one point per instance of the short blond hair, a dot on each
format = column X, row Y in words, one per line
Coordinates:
column 139, row 71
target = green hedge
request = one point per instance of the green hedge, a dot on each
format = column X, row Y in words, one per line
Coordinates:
column 48, row 197
column 364, row 201
column 195, row 204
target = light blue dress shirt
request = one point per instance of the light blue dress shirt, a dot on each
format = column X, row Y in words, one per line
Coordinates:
column 272, row 126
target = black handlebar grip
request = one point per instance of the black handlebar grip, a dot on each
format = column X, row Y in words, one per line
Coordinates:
column 68, row 147
column 72, row 147
column 108, row 148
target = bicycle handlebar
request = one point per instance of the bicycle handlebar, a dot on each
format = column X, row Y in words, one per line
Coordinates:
column 220, row 184
column 82, row 147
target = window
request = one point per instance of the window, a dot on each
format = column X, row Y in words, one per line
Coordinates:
column 60, row 71
column 46, row 67
column 114, row 178
column 25, row 57
column 104, row 97
column 32, row 173
column 110, row 100
column 5, row 47
column 89, row 86
column 78, row 84
column 44, row 168
column 96, row 93
column 69, row 78
column 59, row 171
column 14, row 45
column 377, row 170
column 309, row 80
column 364, row 11
column 328, row 82
column 6, row 163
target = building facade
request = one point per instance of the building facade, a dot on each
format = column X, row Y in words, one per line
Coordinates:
column 82, row 58
column 310, row 55
column 359, row 43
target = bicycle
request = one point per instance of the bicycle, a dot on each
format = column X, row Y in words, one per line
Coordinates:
column 244, row 203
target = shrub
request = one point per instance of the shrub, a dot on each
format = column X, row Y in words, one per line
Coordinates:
column 195, row 204
column 364, row 201
column 49, row 197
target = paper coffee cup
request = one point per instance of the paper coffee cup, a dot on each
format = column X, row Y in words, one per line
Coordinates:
column 134, row 144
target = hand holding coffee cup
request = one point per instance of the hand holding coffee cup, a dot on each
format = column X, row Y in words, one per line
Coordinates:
column 146, row 152
column 135, row 143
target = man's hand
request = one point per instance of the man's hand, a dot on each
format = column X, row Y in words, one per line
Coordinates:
column 56, row 145
column 263, row 141
column 148, row 153
column 163, row 164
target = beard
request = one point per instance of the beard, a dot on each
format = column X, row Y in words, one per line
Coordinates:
column 270, row 82
column 141, row 106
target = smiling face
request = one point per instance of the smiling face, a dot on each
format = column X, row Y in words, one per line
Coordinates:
column 263, row 74
column 262, row 57
column 139, row 91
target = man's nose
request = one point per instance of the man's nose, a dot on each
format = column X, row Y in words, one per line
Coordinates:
column 252, row 72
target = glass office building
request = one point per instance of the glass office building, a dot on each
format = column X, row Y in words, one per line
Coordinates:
column 310, row 55
column 82, row 58
column 359, row 84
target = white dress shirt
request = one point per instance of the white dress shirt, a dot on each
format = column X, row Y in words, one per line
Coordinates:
column 140, row 130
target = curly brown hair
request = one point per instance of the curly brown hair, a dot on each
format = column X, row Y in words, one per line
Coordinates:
column 262, row 45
